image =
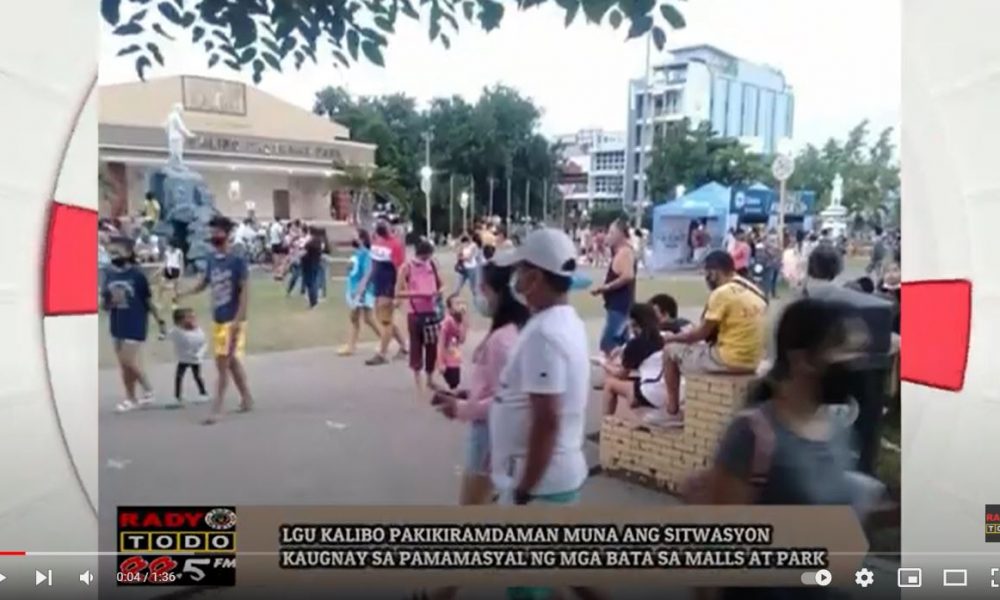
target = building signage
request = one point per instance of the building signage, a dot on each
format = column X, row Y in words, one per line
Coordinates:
column 267, row 148
column 759, row 202
column 214, row 96
column 752, row 202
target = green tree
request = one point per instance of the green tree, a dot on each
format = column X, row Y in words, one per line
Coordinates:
column 870, row 173
column 365, row 184
column 694, row 156
column 472, row 143
column 262, row 35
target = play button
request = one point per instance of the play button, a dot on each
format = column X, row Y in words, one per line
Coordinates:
column 2, row 578
column 823, row 578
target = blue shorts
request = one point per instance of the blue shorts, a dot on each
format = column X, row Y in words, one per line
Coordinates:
column 613, row 335
column 367, row 299
column 477, row 449
column 538, row 593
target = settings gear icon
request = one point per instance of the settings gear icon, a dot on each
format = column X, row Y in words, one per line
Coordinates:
column 864, row 578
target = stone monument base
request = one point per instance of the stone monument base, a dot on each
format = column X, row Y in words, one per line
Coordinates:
column 186, row 207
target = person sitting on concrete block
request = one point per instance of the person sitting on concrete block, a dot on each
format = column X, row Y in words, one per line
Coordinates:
column 638, row 376
column 730, row 336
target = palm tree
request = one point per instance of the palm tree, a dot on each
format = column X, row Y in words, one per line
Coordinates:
column 367, row 183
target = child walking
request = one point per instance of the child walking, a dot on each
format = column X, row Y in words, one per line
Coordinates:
column 189, row 348
column 453, row 332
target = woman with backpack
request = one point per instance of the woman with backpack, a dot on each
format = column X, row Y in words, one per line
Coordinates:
column 419, row 288
column 786, row 448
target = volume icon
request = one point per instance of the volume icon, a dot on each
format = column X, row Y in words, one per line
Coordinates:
column 86, row 578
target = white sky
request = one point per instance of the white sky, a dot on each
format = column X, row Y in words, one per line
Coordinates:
column 842, row 58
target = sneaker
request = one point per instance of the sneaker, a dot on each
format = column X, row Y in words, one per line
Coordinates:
column 200, row 399
column 344, row 351
column 125, row 406
column 403, row 354
column 376, row 360
column 146, row 399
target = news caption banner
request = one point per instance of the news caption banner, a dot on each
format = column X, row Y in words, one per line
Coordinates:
column 548, row 545
column 177, row 545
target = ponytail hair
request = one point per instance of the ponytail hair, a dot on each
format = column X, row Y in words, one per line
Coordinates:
column 808, row 324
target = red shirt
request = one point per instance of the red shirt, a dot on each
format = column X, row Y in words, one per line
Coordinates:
column 741, row 255
column 398, row 251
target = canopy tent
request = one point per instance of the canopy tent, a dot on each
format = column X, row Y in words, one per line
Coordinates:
column 672, row 222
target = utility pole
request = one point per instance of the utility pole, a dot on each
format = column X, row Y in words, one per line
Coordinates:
column 527, row 199
column 545, row 200
column 644, row 136
column 472, row 200
column 451, row 204
column 510, row 181
column 427, row 174
column 491, row 182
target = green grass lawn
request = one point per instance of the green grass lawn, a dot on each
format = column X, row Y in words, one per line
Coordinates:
column 277, row 322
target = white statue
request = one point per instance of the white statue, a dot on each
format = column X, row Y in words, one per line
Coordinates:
column 837, row 195
column 177, row 133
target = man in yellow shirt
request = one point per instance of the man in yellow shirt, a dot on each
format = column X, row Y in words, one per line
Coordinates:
column 150, row 210
column 730, row 337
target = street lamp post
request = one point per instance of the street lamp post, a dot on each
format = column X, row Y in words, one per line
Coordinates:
column 425, row 177
column 463, row 202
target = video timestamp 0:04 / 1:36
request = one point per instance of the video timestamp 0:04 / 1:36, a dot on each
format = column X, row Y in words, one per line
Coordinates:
column 187, row 570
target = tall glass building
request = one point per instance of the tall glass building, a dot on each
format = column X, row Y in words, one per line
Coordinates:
column 739, row 98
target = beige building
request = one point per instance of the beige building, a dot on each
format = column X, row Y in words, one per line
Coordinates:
column 254, row 150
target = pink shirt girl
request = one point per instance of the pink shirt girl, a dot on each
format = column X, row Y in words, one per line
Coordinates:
column 452, row 338
column 488, row 362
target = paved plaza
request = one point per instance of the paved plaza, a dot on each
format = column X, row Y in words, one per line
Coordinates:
column 326, row 430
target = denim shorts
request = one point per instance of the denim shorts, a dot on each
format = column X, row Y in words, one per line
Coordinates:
column 477, row 449
column 613, row 335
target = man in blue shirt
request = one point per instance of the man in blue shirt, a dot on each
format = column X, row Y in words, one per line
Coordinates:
column 227, row 276
column 126, row 296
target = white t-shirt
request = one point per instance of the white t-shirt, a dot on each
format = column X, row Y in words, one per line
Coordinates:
column 468, row 253
column 651, row 380
column 550, row 357
column 174, row 258
column 276, row 233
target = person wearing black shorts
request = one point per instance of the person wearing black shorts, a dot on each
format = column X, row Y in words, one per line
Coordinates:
column 640, row 371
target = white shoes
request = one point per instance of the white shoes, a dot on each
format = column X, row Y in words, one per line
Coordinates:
column 200, row 399
column 144, row 401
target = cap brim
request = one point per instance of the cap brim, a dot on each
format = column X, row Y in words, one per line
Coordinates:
column 508, row 258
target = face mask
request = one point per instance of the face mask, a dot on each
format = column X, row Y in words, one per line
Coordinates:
column 483, row 306
column 514, row 292
column 710, row 282
column 119, row 261
column 219, row 241
column 835, row 384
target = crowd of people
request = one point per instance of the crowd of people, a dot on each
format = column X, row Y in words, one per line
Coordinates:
column 523, row 394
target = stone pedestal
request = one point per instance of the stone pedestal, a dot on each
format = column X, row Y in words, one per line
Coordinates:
column 666, row 456
column 834, row 218
column 187, row 206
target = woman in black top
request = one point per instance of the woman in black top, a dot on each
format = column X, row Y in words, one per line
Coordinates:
column 312, row 269
column 622, row 379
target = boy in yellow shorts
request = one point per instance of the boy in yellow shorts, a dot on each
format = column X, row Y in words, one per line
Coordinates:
column 226, row 275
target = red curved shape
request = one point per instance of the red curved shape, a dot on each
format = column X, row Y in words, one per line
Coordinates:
column 935, row 323
column 70, row 284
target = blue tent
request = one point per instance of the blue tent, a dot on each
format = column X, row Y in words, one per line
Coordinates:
column 709, row 201
column 672, row 222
